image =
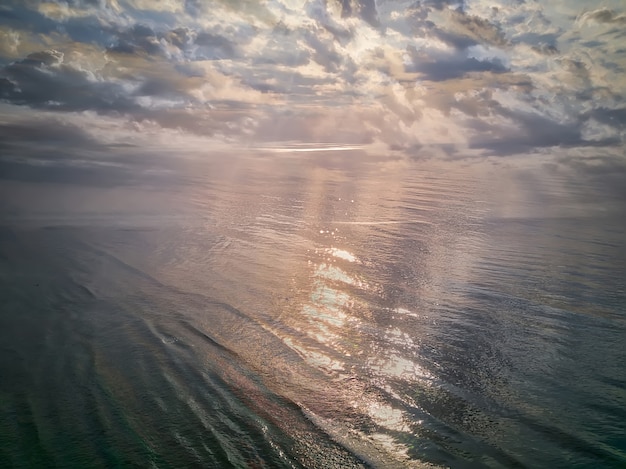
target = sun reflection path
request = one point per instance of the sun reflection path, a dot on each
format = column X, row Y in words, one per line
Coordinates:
column 337, row 335
column 326, row 319
column 342, row 254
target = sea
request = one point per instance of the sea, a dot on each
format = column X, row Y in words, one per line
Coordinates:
column 315, row 310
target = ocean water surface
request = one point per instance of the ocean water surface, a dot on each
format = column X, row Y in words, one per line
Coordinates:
column 319, row 311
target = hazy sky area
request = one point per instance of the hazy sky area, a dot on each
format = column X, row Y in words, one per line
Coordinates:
column 91, row 89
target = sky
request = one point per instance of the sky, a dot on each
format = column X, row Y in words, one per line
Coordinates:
column 88, row 88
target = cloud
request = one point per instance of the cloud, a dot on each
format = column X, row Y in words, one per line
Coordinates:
column 181, row 43
column 19, row 16
column 46, row 80
column 477, row 29
column 521, row 132
column 43, row 132
column 43, row 80
column 446, row 65
column 364, row 9
column 323, row 50
column 448, row 76
column 603, row 15
column 51, row 150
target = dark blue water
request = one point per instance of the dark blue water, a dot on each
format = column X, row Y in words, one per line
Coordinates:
column 328, row 312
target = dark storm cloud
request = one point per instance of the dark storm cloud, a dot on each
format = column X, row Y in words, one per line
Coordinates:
column 604, row 15
column 82, row 3
column 185, row 42
column 600, row 170
column 365, row 9
column 156, row 86
column 537, row 39
column 214, row 46
column 49, row 150
column 480, row 28
column 324, row 53
column 87, row 28
column 546, row 49
column 460, row 30
column 447, row 66
column 346, row 8
column 16, row 14
column 46, row 131
column 613, row 117
column 533, row 131
column 139, row 38
column 458, row 67
column 458, row 41
column 112, row 32
column 318, row 10
column 43, row 80
column 53, row 151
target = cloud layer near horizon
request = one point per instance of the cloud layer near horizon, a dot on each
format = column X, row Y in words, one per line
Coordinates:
column 413, row 78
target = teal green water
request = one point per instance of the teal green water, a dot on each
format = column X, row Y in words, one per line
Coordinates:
column 282, row 314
